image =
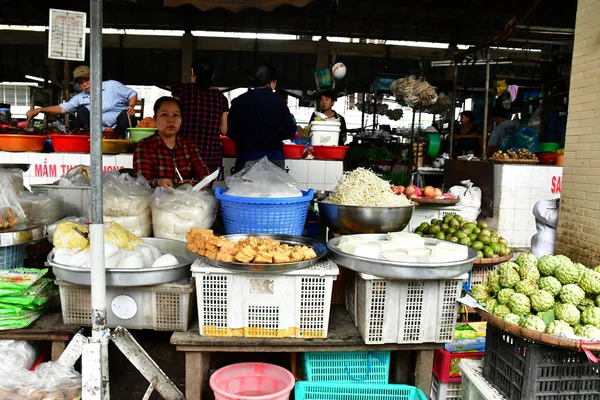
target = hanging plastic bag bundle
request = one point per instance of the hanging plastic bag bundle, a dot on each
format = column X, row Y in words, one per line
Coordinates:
column 42, row 208
column 15, row 175
column 262, row 179
column 469, row 205
column 176, row 211
column 11, row 211
column 126, row 201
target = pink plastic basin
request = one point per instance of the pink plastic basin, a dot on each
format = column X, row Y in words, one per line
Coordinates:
column 252, row 381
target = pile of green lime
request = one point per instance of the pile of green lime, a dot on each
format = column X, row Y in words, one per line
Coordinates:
column 476, row 235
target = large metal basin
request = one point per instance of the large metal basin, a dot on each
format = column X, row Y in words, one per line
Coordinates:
column 397, row 270
column 135, row 276
column 348, row 220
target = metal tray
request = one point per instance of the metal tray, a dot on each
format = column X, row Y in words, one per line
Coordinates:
column 397, row 270
column 317, row 246
column 22, row 234
column 134, row 276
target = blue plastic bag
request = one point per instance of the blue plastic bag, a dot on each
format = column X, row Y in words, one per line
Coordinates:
column 527, row 138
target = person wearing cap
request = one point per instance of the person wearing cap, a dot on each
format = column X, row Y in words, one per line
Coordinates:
column 328, row 98
column 117, row 103
column 259, row 120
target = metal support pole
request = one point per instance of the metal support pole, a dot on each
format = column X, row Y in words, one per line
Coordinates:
column 99, row 361
column 362, row 120
column 486, row 101
column 66, row 83
column 412, row 140
column 453, row 109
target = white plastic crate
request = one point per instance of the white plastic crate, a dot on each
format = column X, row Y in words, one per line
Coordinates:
column 479, row 274
column 166, row 307
column 397, row 311
column 291, row 304
column 426, row 214
column 445, row 391
column 77, row 198
column 474, row 385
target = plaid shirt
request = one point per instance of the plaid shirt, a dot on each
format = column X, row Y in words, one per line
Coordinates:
column 202, row 112
column 154, row 160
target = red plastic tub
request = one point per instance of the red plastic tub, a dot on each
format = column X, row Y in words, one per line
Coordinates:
column 229, row 149
column 71, row 143
column 293, row 151
column 445, row 364
column 547, row 158
column 330, row 152
column 13, row 142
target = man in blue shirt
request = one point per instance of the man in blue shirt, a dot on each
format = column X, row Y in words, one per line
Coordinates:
column 117, row 102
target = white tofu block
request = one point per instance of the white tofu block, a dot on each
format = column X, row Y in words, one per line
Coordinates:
column 419, row 252
column 367, row 250
column 449, row 255
column 399, row 256
column 386, row 246
column 347, row 248
column 407, row 241
column 429, row 259
column 352, row 239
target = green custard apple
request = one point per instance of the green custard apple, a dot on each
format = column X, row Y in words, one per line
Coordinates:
column 572, row 294
column 550, row 284
column 533, row 322
column 504, row 295
column 519, row 304
column 480, row 292
column 590, row 282
column 577, row 328
column 512, row 318
column 568, row 273
column 527, row 287
column 501, row 311
column 541, row 300
column 597, row 301
column 526, row 259
column 509, row 274
column 590, row 331
column 558, row 326
column 568, row 313
column 490, row 304
column 494, row 281
column 547, row 264
column 591, row 316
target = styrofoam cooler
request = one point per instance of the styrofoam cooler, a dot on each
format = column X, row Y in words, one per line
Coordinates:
column 166, row 307
column 398, row 311
column 290, row 304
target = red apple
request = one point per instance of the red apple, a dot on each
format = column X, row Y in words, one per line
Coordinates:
column 401, row 188
column 437, row 192
column 410, row 189
column 428, row 191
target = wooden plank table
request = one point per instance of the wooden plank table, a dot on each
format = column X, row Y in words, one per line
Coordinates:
column 48, row 327
column 342, row 336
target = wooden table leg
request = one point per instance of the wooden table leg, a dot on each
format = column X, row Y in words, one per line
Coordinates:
column 402, row 366
column 197, row 364
column 57, row 349
column 424, row 368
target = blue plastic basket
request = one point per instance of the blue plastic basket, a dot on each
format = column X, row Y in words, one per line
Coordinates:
column 285, row 216
column 340, row 367
column 12, row 256
column 356, row 391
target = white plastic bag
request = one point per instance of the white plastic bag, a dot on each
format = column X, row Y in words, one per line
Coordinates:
column 42, row 207
column 16, row 177
column 49, row 381
column 52, row 227
column 16, row 354
column 76, row 176
column 546, row 220
column 176, row 211
column 125, row 196
column 139, row 225
column 262, row 179
column 11, row 211
column 469, row 205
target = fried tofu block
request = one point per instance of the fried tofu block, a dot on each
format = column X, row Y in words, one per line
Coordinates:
column 230, row 248
column 262, row 259
column 263, row 247
column 211, row 254
column 284, row 247
column 199, row 242
column 243, row 258
column 225, row 257
column 199, row 231
column 296, row 256
column 281, row 258
column 248, row 251
column 309, row 254
column 253, row 242
column 201, row 252
column 222, row 242
column 211, row 247
column 213, row 240
column 191, row 247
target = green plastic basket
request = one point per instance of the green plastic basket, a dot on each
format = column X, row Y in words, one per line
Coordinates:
column 347, row 366
column 323, row 78
column 356, row 391
column 548, row 147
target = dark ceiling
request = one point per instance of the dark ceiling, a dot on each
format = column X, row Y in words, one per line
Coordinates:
column 462, row 21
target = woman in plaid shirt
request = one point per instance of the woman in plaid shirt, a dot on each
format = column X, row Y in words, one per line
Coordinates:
column 205, row 109
column 165, row 159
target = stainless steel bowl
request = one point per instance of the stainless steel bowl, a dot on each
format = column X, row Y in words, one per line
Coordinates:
column 347, row 220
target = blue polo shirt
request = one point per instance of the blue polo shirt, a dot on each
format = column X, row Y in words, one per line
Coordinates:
column 115, row 99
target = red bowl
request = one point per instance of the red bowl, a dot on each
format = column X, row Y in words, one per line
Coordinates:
column 229, row 149
column 293, row 151
column 330, row 152
column 22, row 142
column 70, row 143
column 547, row 158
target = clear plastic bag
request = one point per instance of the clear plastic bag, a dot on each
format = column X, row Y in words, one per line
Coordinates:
column 525, row 138
column 76, row 176
column 16, row 178
column 535, row 121
column 42, row 207
column 469, row 205
column 49, row 381
column 125, row 196
column 11, row 211
column 50, row 229
column 262, row 179
column 176, row 211
column 16, row 354
column 139, row 225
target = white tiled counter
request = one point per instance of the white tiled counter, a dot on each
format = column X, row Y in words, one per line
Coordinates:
column 49, row 167
column 517, row 188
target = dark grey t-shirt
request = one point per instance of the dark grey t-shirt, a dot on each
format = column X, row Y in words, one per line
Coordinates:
column 503, row 128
